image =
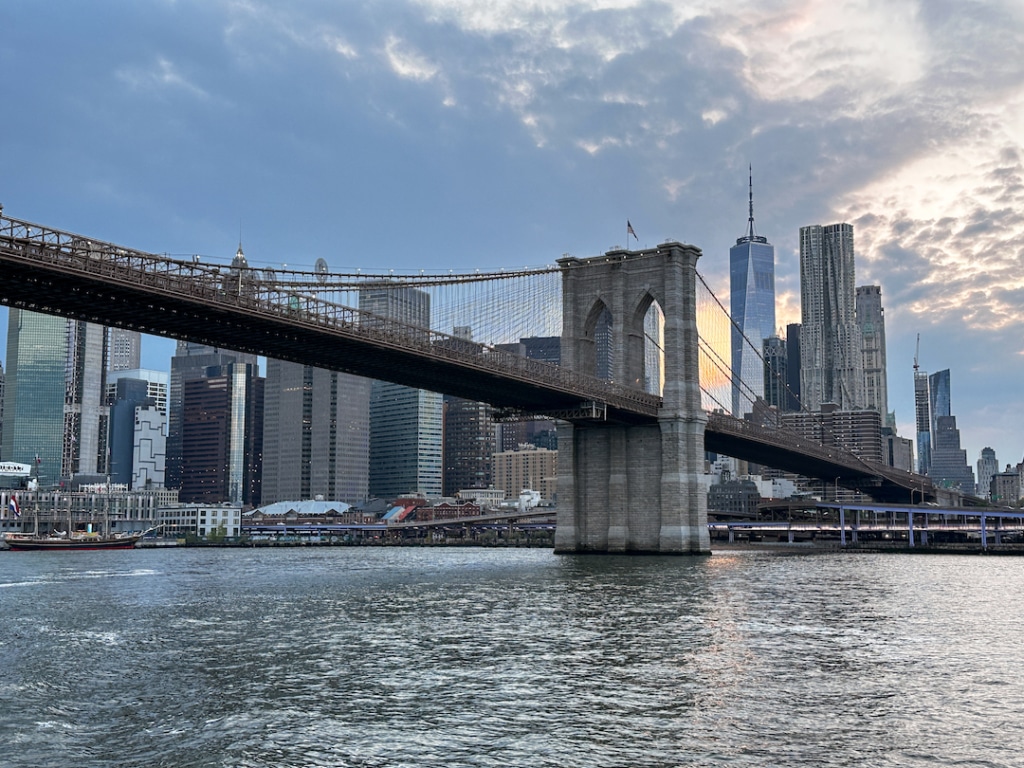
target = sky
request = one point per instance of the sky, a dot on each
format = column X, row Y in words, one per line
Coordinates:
column 480, row 134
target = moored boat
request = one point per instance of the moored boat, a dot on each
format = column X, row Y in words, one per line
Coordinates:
column 78, row 541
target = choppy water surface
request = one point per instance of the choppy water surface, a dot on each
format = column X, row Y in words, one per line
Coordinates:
column 439, row 657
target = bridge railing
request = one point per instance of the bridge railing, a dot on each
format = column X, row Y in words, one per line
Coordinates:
column 727, row 424
column 245, row 289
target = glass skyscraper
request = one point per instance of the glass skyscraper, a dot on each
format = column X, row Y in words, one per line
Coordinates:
column 406, row 424
column 752, row 306
column 37, row 349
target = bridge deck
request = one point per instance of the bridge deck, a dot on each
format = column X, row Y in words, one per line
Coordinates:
column 60, row 273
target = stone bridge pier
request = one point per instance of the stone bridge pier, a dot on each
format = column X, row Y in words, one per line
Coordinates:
column 633, row 488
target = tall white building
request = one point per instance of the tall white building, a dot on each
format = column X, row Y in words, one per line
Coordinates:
column 831, row 350
column 871, row 321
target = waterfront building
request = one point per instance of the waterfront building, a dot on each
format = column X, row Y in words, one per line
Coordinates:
column 871, row 321
column 831, row 354
column 222, row 438
column 752, row 307
column 734, row 498
column 1005, row 488
column 125, row 350
column 527, row 467
column 406, row 424
column 190, row 361
column 316, row 434
column 987, row 467
column 202, row 520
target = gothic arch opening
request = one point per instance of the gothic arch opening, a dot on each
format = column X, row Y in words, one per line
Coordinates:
column 597, row 356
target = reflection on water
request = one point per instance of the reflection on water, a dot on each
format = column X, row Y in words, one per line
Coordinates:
column 420, row 657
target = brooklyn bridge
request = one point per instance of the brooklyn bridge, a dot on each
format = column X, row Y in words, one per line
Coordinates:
column 662, row 323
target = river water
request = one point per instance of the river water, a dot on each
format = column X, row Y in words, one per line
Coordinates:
column 378, row 657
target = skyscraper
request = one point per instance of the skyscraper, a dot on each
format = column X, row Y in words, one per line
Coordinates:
column 55, row 415
column 776, row 370
column 222, row 437
column 987, row 467
column 831, row 354
column 949, row 461
column 752, row 306
column 406, row 424
column 470, row 436
column 190, row 361
column 948, row 466
column 138, row 430
column 939, row 395
column 922, row 419
column 316, row 433
column 793, row 367
column 125, row 349
column 871, row 321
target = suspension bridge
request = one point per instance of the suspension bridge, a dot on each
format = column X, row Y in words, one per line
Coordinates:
column 467, row 347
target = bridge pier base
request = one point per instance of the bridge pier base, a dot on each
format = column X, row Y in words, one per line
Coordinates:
column 634, row 488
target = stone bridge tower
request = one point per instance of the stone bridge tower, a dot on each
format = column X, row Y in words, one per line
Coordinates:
column 633, row 488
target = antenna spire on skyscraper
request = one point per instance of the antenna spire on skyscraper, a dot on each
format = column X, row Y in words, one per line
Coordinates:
column 750, row 230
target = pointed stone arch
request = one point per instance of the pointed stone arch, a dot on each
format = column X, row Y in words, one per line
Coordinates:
column 628, row 488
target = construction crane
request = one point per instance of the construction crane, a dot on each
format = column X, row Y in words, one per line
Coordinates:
column 917, row 351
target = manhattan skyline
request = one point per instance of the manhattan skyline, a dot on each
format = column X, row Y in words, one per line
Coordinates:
column 506, row 134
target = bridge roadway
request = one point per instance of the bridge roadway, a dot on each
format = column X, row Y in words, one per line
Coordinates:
column 61, row 273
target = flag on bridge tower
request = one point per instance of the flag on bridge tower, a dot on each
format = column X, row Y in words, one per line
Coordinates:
column 629, row 231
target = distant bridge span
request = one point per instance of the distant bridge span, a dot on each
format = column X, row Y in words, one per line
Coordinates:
column 65, row 274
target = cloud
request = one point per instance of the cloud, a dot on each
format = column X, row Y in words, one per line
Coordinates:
column 162, row 77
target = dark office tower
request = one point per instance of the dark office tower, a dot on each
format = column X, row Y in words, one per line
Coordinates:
column 988, row 466
column 871, row 321
column 190, row 362
column 752, row 306
column 949, row 461
column 793, row 371
column 125, row 350
column 222, row 440
column 831, row 354
column 470, row 442
column 776, row 369
column 923, row 420
column 406, row 424
column 138, row 434
column 316, row 434
column 470, row 435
